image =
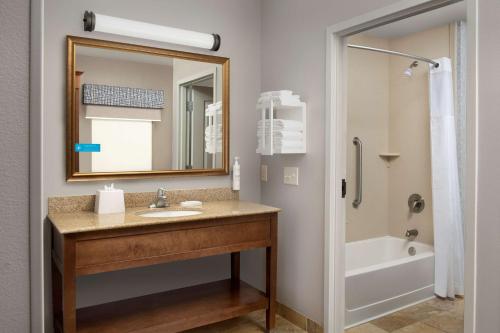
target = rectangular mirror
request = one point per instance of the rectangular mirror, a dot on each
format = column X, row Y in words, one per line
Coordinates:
column 135, row 111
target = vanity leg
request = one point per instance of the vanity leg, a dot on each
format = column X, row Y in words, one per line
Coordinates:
column 56, row 297
column 69, row 286
column 235, row 268
column 271, row 266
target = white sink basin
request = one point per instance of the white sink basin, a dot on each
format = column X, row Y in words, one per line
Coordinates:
column 169, row 213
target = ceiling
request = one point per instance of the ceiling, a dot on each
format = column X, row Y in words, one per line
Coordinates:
column 432, row 19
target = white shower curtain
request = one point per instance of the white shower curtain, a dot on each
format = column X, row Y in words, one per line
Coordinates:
column 447, row 213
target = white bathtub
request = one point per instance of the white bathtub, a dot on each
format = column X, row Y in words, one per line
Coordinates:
column 382, row 277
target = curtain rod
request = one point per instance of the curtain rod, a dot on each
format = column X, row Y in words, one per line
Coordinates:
column 367, row 48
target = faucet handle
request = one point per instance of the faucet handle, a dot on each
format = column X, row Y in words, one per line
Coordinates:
column 161, row 199
column 162, row 192
column 411, row 234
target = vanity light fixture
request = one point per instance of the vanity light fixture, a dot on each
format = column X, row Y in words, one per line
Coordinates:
column 119, row 26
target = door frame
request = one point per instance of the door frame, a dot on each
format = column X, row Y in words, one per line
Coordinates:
column 335, row 154
column 177, row 121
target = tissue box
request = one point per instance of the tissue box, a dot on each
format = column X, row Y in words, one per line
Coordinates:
column 109, row 200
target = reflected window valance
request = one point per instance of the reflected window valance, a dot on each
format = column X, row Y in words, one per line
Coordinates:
column 101, row 94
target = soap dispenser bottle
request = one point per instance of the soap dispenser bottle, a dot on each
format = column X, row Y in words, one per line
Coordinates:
column 236, row 174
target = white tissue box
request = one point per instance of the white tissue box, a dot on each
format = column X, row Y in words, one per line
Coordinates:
column 109, row 200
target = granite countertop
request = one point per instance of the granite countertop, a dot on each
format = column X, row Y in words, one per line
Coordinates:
column 85, row 221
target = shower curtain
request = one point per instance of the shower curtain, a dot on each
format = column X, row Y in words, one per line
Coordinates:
column 447, row 212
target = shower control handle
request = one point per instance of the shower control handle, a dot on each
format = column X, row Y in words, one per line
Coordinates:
column 416, row 203
column 411, row 234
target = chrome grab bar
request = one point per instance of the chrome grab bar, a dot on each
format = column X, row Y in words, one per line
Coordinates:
column 359, row 172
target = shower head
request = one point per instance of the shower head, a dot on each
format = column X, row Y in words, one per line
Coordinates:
column 408, row 72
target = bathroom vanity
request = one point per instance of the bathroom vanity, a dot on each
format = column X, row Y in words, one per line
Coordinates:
column 86, row 243
column 154, row 112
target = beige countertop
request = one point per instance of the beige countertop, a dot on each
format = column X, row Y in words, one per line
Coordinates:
column 75, row 222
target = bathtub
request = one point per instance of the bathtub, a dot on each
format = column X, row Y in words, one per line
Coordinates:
column 382, row 277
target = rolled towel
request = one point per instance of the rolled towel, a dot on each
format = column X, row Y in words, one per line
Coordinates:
column 289, row 144
column 216, row 133
column 277, row 93
column 278, row 127
column 278, row 97
column 280, row 124
column 278, row 148
column 281, row 134
column 214, row 105
column 263, row 102
column 280, row 121
column 212, row 148
column 281, row 140
column 211, row 128
column 281, row 150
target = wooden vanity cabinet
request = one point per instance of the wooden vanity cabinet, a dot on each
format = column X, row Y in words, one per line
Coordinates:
column 82, row 253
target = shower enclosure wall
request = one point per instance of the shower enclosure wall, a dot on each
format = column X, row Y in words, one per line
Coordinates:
column 389, row 112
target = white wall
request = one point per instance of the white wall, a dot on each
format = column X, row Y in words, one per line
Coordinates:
column 293, row 57
column 236, row 22
column 14, row 164
column 488, row 210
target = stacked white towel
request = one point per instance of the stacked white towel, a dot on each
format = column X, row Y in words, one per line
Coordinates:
column 213, row 131
column 213, row 139
column 282, row 135
column 280, row 97
column 214, row 108
column 286, row 134
column 280, row 124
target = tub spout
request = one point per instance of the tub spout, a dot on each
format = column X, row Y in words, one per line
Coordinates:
column 411, row 234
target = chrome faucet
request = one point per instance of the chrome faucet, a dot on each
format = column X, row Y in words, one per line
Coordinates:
column 411, row 234
column 161, row 199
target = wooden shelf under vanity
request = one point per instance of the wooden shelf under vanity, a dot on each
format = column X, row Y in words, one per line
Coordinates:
column 81, row 246
column 173, row 311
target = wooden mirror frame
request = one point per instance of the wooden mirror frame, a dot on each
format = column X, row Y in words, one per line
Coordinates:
column 72, row 134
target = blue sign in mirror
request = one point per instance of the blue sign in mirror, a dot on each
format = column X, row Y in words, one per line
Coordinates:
column 87, row 147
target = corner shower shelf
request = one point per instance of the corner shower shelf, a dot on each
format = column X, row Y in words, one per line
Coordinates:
column 388, row 157
column 279, row 107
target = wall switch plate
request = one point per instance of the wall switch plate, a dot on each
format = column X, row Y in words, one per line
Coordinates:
column 263, row 173
column 291, row 176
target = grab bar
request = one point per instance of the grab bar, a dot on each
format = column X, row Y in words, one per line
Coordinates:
column 359, row 172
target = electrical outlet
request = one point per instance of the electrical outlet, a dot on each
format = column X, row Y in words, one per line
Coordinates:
column 291, row 176
column 263, row 173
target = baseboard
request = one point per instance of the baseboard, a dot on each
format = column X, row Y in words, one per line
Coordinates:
column 299, row 319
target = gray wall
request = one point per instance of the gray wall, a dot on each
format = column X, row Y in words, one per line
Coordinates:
column 238, row 24
column 14, row 162
column 293, row 57
column 488, row 210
